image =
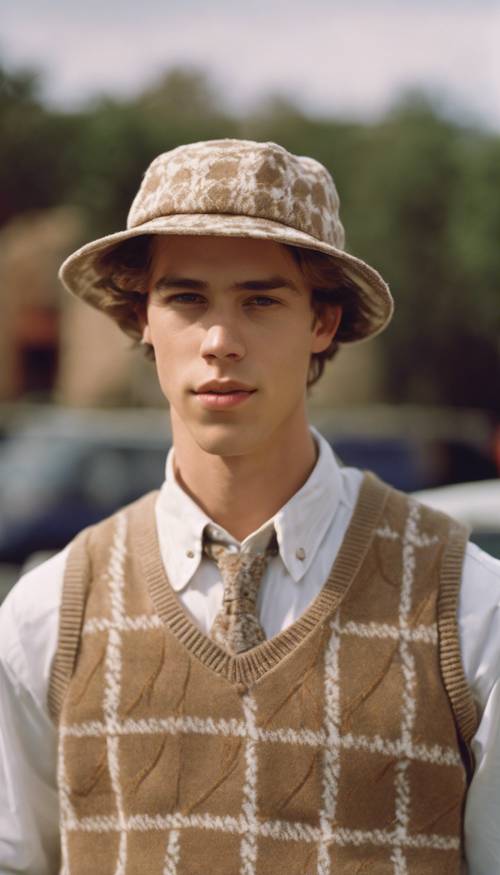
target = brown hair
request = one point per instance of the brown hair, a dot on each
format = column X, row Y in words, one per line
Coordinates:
column 125, row 270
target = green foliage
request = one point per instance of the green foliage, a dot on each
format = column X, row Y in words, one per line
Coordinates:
column 419, row 201
column 32, row 157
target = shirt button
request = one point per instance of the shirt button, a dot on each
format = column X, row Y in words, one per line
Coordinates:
column 300, row 553
column 189, row 554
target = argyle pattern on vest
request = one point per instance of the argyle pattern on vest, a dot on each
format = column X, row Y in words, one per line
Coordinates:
column 334, row 747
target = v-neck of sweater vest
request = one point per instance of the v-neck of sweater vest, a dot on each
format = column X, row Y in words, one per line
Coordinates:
column 244, row 669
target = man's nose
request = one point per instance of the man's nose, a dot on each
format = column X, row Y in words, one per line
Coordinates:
column 222, row 341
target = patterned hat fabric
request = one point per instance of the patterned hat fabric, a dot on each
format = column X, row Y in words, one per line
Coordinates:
column 236, row 188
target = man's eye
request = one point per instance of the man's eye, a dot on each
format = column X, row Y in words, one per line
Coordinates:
column 262, row 301
column 185, row 298
column 194, row 299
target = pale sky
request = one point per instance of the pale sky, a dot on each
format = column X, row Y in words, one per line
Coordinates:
column 338, row 57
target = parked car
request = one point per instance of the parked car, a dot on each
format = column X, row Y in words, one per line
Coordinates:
column 412, row 447
column 477, row 504
column 69, row 469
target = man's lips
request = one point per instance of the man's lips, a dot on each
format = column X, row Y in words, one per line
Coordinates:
column 217, row 400
column 224, row 392
column 223, row 387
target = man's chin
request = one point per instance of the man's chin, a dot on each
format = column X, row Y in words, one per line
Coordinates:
column 224, row 440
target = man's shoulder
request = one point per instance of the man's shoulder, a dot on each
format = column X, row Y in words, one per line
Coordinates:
column 477, row 562
column 481, row 581
column 136, row 510
column 29, row 621
column 34, row 596
column 480, row 572
column 410, row 512
column 35, row 599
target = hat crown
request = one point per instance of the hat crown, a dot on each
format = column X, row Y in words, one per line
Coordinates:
column 241, row 178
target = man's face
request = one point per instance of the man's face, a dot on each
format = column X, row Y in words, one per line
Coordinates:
column 233, row 313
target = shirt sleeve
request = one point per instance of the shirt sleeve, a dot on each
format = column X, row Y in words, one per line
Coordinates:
column 29, row 814
column 479, row 626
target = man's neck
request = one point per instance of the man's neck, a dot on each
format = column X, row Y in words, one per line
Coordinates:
column 241, row 492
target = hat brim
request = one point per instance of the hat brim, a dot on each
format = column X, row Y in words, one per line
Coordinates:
column 81, row 277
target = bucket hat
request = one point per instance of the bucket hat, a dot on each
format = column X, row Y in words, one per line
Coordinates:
column 237, row 188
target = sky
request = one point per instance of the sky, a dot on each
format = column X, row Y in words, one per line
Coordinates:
column 349, row 58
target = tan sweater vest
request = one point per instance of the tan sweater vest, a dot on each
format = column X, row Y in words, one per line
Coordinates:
column 338, row 746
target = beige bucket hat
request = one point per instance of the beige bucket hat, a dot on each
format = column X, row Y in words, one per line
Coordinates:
column 236, row 188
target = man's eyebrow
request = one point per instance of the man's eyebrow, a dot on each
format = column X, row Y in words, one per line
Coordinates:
column 267, row 284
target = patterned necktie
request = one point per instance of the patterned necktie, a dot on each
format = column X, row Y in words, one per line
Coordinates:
column 236, row 626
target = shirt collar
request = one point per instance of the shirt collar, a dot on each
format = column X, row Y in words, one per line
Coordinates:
column 300, row 524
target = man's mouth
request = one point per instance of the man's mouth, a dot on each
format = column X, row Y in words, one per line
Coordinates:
column 223, row 399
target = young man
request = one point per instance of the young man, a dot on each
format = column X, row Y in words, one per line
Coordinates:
column 275, row 664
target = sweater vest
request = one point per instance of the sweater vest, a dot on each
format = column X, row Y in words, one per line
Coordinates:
column 338, row 747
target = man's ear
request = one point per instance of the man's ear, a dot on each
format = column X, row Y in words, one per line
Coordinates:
column 146, row 334
column 325, row 326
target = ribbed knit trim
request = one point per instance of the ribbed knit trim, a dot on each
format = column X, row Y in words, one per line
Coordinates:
column 246, row 668
column 449, row 643
column 76, row 577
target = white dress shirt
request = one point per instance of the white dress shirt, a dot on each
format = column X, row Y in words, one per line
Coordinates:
column 310, row 528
